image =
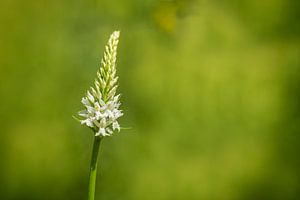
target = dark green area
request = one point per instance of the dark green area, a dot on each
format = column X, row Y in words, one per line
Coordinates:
column 210, row 89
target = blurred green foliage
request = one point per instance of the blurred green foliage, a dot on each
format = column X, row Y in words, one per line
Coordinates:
column 210, row 88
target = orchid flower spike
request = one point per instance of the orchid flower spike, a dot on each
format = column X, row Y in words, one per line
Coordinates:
column 101, row 102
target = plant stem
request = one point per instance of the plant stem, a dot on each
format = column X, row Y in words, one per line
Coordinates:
column 93, row 168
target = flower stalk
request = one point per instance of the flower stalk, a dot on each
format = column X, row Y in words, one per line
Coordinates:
column 93, row 168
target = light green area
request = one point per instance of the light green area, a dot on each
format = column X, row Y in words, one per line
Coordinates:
column 210, row 90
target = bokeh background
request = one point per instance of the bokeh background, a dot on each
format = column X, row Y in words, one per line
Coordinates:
column 210, row 89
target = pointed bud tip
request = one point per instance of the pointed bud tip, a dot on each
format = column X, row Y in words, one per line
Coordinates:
column 116, row 34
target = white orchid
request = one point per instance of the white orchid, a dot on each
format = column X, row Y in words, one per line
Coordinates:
column 101, row 102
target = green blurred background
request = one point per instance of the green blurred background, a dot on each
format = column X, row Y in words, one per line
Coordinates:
column 210, row 89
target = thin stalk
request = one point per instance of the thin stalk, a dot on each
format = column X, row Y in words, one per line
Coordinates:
column 93, row 168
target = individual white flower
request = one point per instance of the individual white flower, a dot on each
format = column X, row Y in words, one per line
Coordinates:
column 101, row 132
column 101, row 102
column 116, row 126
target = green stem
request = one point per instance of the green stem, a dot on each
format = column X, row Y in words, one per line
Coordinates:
column 93, row 168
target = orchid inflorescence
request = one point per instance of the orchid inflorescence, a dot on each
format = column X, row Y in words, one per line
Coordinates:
column 101, row 102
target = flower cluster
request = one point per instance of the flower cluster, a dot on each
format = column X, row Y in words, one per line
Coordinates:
column 101, row 102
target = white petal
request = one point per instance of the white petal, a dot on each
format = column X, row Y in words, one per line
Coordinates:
column 109, row 130
column 85, row 101
column 117, row 113
column 116, row 98
column 88, row 122
column 90, row 109
column 110, row 114
column 103, row 106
